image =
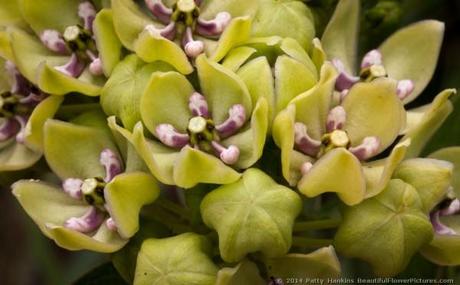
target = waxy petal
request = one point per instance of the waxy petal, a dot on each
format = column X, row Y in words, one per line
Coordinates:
column 16, row 156
column 246, row 272
column 451, row 154
column 237, row 32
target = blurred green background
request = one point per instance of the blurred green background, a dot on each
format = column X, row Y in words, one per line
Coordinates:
column 27, row 257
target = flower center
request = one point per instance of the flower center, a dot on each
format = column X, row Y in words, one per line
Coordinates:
column 202, row 132
column 337, row 138
column 93, row 191
column 8, row 105
column 186, row 12
column 78, row 39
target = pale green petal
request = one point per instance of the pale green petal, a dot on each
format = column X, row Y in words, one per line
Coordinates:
column 237, row 57
column 195, row 166
column 236, row 33
column 425, row 120
column 252, row 215
column 16, row 156
column 245, row 273
column 293, row 49
column 222, row 89
column 443, row 250
column 125, row 195
column 374, row 109
column 251, row 142
column 108, row 44
column 236, row 8
column 178, row 260
column 5, row 47
column 337, row 171
column 10, row 13
column 378, row 173
column 318, row 56
column 451, row 154
column 165, row 101
column 152, row 48
column 412, row 53
column 340, row 39
column 321, row 263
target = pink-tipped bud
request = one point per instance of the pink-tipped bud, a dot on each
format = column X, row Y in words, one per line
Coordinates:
column 373, row 57
column 405, row 88
column 87, row 13
column 169, row 136
column 21, row 135
column 111, row 163
column 452, row 209
column 198, row 105
column 306, row 167
column 168, row 32
column 95, row 67
column 344, row 80
column 367, row 149
column 194, row 48
column 236, row 119
column 159, row 10
column 336, row 119
column 215, row 26
column 439, row 227
column 53, row 40
column 73, row 67
column 303, row 142
column 111, row 225
column 229, row 155
column 87, row 223
column 72, row 186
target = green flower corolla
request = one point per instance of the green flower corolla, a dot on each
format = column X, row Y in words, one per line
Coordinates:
column 253, row 214
column 183, row 259
column 386, row 230
column 199, row 136
column 275, row 68
column 181, row 23
column 98, row 205
column 246, row 272
column 323, row 142
column 73, row 48
column 408, row 57
column 23, row 111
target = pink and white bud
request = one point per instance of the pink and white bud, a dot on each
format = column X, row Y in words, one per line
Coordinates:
column 452, row 209
column 404, row 88
column 87, row 12
column 87, row 223
column 95, row 67
column 72, row 186
column 111, row 163
column 373, row 57
column 439, row 227
column 229, row 155
column 111, row 225
column 236, row 119
column 159, row 10
column 73, row 67
column 21, row 135
column 53, row 40
column 344, row 80
column 168, row 32
column 336, row 119
column 303, row 142
column 169, row 136
column 198, row 105
column 194, row 48
column 367, row 149
column 215, row 26
column 306, row 167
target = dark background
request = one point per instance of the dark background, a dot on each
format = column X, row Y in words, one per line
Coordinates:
column 27, row 257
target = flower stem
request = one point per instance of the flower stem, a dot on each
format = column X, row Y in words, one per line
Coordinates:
column 174, row 208
column 316, row 225
column 310, row 242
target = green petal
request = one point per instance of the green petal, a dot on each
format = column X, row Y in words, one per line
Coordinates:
column 291, row 79
column 73, row 151
column 47, row 204
column 251, row 215
column 374, row 109
column 430, row 177
column 337, row 171
column 194, row 166
column 443, row 250
column 318, row 56
column 159, row 159
column 104, row 240
column 125, row 195
column 122, row 93
column 341, row 35
column 378, row 173
column 245, row 273
column 108, row 44
column 10, row 13
column 321, row 263
column 183, row 259
column 313, row 105
column 165, row 101
column 16, row 156
column 222, row 89
column 296, row 18
column 389, row 225
column 425, row 120
column 50, row 14
column 34, row 128
column 292, row 48
column 451, row 154
column 251, row 141
column 129, row 21
column 237, row 32
column 236, row 8
column 5, row 46
column 283, row 135
column 4, row 78
column 152, row 48
column 412, row 53
column 237, row 57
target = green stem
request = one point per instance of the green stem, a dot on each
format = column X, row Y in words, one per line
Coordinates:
column 310, row 242
column 316, row 225
column 168, row 219
column 174, row 208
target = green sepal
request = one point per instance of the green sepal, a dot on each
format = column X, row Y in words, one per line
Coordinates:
column 451, row 154
column 245, row 273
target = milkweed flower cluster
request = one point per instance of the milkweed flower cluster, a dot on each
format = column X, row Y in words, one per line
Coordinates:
column 224, row 142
